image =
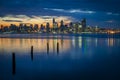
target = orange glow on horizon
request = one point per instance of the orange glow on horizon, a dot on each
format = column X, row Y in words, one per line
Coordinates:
column 35, row 20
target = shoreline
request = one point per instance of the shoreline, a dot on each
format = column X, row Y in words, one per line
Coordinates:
column 45, row 35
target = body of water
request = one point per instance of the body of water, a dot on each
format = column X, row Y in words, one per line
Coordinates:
column 63, row 58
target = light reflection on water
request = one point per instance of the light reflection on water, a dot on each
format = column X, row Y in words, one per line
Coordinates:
column 40, row 45
column 77, row 55
column 22, row 46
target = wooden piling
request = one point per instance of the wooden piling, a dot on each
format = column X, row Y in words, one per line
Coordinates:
column 13, row 64
column 57, row 47
column 47, row 48
column 32, row 53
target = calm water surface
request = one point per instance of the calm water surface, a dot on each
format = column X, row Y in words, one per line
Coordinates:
column 74, row 58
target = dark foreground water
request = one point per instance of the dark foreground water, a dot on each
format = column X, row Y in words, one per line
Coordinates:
column 69, row 58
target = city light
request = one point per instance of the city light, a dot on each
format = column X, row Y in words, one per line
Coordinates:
column 56, row 28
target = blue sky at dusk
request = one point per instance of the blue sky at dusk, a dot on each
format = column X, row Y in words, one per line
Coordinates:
column 104, row 13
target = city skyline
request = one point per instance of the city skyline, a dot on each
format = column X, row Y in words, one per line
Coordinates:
column 57, row 28
column 98, row 13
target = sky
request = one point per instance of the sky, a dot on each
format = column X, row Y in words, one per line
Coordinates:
column 102, row 13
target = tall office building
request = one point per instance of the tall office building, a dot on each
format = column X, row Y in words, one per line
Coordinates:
column 70, row 24
column 61, row 23
column 42, row 28
column 55, row 25
column 47, row 27
column 83, row 23
column 36, row 27
column 53, row 20
column 62, row 26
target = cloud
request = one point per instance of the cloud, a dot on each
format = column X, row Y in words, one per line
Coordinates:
column 49, row 18
column 22, row 16
column 110, row 13
column 35, row 19
column 80, row 11
column 15, row 18
column 43, row 17
column 10, row 16
column 72, row 11
column 110, row 21
column 12, row 20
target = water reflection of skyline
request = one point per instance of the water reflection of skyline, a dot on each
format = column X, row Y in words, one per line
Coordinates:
column 9, row 45
column 40, row 45
column 19, row 59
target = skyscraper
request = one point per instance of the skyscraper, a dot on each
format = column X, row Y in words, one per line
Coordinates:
column 47, row 27
column 53, row 20
column 83, row 22
column 61, row 23
column 55, row 25
column 36, row 27
column 62, row 26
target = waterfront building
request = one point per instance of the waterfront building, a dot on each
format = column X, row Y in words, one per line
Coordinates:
column 83, row 22
column 47, row 27
column 62, row 27
column 55, row 26
column 36, row 27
